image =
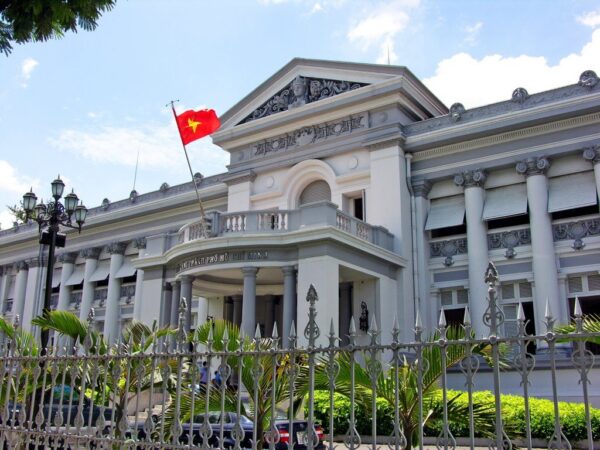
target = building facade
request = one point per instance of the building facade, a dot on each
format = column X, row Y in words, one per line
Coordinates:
column 357, row 179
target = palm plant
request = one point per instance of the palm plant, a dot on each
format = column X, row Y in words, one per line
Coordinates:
column 123, row 372
column 399, row 385
column 263, row 377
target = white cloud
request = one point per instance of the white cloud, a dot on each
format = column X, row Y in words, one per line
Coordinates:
column 159, row 147
column 590, row 19
column 27, row 67
column 472, row 32
column 380, row 27
column 475, row 82
column 14, row 185
column 12, row 181
column 316, row 8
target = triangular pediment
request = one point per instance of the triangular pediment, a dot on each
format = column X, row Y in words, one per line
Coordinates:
column 302, row 82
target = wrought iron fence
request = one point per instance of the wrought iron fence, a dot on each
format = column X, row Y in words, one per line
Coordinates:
column 147, row 393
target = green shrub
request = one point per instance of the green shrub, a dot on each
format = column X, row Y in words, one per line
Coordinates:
column 572, row 416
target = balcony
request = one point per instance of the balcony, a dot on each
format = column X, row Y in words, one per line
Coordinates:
column 322, row 214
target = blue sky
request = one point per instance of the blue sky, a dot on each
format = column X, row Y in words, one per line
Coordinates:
column 84, row 105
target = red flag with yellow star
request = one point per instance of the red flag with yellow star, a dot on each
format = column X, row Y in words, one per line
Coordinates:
column 196, row 124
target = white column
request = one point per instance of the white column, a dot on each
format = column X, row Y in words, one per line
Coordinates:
column 323, row 273
column 545, row 272
column 87, row 295
column 165, row 310
column 113, row 307
column 140, row 244
column 64, row 292
column 249, row 301
column 202, row 311
column 473, row 182
column 175, row 303
column 389, row 187
column 428, row 308
column 4, row 274
column 20, row 289
column 592, row 154
column 32, row 307
column 186, row 292
column 289, row 303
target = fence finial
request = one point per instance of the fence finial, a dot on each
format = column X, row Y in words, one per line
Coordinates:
column 548, row 312
column 521, row 313
column 91, row 315
column 442, row 322
column 373, row 327
column 275, row 334
column 293, row 330
column 418, row 322
column 257, row 335
column 331, row 328
column 578, row 313
column 491, row 274
column 467, row 317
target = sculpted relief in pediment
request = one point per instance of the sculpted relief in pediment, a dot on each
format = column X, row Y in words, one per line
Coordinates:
column 299, row 92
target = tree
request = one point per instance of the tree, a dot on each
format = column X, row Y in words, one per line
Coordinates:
column 18, row 213
column 24, row 21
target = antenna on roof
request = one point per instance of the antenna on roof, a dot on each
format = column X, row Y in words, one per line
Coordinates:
column 137, row 161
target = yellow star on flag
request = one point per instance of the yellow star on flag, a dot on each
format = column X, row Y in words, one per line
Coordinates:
column 193, row 125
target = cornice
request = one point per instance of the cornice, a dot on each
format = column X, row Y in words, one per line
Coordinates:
column 421, row 188
column 239, row 177
column 501, row 138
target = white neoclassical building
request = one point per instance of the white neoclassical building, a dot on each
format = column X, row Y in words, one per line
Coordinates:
column 357, row 179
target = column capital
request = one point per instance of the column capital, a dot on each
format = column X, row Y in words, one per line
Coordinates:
column 186, row 278
column 421, row 188
column 249, row 271
column 35, row 262
column 167, row 286
column 592, row 154
column 91, row 253
column 139, row 243
column 176, row 283
column 68, row 257
column 21, row 265
column 471, row 178
column 533, row 166
column 288, row 270
column 116, row 248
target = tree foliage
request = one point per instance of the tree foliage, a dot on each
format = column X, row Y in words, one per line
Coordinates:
column 24, row 21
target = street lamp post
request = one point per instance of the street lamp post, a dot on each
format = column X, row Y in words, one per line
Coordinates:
column 50, row 217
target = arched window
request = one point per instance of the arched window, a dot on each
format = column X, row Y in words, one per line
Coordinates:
column 317, row 191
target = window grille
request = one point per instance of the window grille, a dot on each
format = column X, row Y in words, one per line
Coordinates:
column 593, row 282
column 316, row 191
column 575, row 284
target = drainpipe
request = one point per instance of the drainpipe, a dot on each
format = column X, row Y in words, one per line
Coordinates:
column 415, row 270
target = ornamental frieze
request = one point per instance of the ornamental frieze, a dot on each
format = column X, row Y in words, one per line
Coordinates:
column 509, row 240
column 223, row 257
column 299, row 92
column 448, row 249
column 576, row 231
column 308, row 135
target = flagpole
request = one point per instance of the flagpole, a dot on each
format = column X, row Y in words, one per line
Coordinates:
column 187, row 158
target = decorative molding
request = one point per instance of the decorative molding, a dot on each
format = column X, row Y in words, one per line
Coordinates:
column 116, row 248
column 68, row 257
column 249, row 271
column 457, row 110
column 533, row 166
column 139, row 243
column 239, row 177
column 592, row 154
column 91, row 252
column 519, row 95
column 421, row 188
column 496, row 109
column 448, row 249
column 588, row 79
column 299, row 92
column 471, row 178
column 164, row 187
column 508, row 136
column 576, row 231
column 509, row 240
column 21, row 265
column 308, row 135
column 35, row 262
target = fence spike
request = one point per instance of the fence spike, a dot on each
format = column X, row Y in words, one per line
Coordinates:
column 548, row 313
column 352, row 328
column 521, row 313
column 442, row 322
column 225, row 334
column 331, row 328
column 257, row 332
column 373, row 326
column 418, row 322
column 275, row 334
column 578, row 312
column 467, row 317
column 395, row 326
column 293, row 330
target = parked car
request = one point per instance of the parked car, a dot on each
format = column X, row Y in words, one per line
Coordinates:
column 230, row 419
